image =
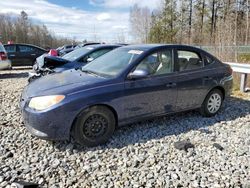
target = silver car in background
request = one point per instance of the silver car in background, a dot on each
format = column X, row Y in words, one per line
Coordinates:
column 5, row 63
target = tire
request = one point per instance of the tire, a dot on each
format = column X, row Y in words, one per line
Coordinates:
column 212, row 103
column 30, row 79
column 87, row 134
column 33, row 63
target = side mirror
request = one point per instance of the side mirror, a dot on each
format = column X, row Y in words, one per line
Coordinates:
column 90, row 59
column 140, row 73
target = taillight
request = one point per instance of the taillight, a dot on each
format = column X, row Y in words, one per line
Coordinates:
column 3, row 56
column 229, row 70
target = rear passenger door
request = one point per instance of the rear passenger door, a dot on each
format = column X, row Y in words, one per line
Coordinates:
column 193, row 79
column 26, row 54
column 12, row 54
column 38, row 52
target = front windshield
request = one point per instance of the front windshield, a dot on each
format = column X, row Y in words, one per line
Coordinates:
column 74, row 55
column 112, row 63
column 2, row 48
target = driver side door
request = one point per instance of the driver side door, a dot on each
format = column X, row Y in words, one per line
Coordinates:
column 156, row 93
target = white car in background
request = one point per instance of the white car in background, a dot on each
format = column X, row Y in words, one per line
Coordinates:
column 5, row 63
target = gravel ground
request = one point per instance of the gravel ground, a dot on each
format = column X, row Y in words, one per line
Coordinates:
column 139, row 155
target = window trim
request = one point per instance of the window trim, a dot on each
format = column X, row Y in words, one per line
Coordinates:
column 205, row 56
column 15, row 46
column 189, row 50
column 159, row 75
column 18, row 46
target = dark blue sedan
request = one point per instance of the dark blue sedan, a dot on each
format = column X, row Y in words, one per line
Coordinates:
column 126, row 85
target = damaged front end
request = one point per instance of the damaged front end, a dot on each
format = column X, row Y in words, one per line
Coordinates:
column 41, row 72
column 44, row 65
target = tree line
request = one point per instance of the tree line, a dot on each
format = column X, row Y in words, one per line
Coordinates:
column 22, row 30
column 196, row 22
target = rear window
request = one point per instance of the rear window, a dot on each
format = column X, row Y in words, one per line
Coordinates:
column 67, row 47
column 209, row 60
column 2, row 48
column 23, row 48
column 74, row 55
column 11, row 48
column 189, row 60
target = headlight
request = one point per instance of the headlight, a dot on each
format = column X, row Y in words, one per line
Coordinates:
column 35, row 67
column 44, row 102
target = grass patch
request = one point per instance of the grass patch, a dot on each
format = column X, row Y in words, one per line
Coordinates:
column 236, row 82
column 244, row 58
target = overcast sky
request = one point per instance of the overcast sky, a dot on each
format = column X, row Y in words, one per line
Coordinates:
column 82, row 19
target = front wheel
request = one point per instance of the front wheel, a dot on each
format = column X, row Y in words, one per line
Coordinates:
column 94, row 126
column 212, row 103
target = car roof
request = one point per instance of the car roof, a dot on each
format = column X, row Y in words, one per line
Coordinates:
column 25, row 45
column 89, row 43
column 68, row 45
column 94, row 46
column 145, row 47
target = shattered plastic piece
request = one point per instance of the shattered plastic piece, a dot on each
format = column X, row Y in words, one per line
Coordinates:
column 218, row 146
column 183, row 145
column 23, row 184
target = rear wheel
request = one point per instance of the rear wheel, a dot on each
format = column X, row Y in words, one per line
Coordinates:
column 212, row 103
column 94, row 126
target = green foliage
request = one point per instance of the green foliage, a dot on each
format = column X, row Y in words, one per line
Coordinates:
column 202, row 23
column 164, row 28
column 244, row 58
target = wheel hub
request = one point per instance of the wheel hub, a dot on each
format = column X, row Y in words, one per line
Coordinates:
column 95, row 126
column 214, row 103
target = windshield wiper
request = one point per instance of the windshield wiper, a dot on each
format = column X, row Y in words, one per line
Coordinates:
column 91, row 72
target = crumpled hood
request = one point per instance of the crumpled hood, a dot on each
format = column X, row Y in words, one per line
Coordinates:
column 62, row 83
column 51, row 62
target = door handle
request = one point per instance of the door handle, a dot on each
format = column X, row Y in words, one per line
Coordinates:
column 206, row 78
column 33, row 54
column 171, row 85
column 12, row 55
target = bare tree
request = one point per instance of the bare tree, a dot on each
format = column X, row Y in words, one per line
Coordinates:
column 247, row 22
column 236, row 28
column 22, row 30
column 121, row 36
column 140, row 21
column 190, row 20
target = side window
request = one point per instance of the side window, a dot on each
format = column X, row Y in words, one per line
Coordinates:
column 98, row 53
column 95, row 55
column 188, row 60
column 157, row 63
column 10, row 49
column 23, row 48
column 2, row 48
column 209, row 60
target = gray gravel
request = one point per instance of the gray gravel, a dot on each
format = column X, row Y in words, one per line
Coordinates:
column 139, row 155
